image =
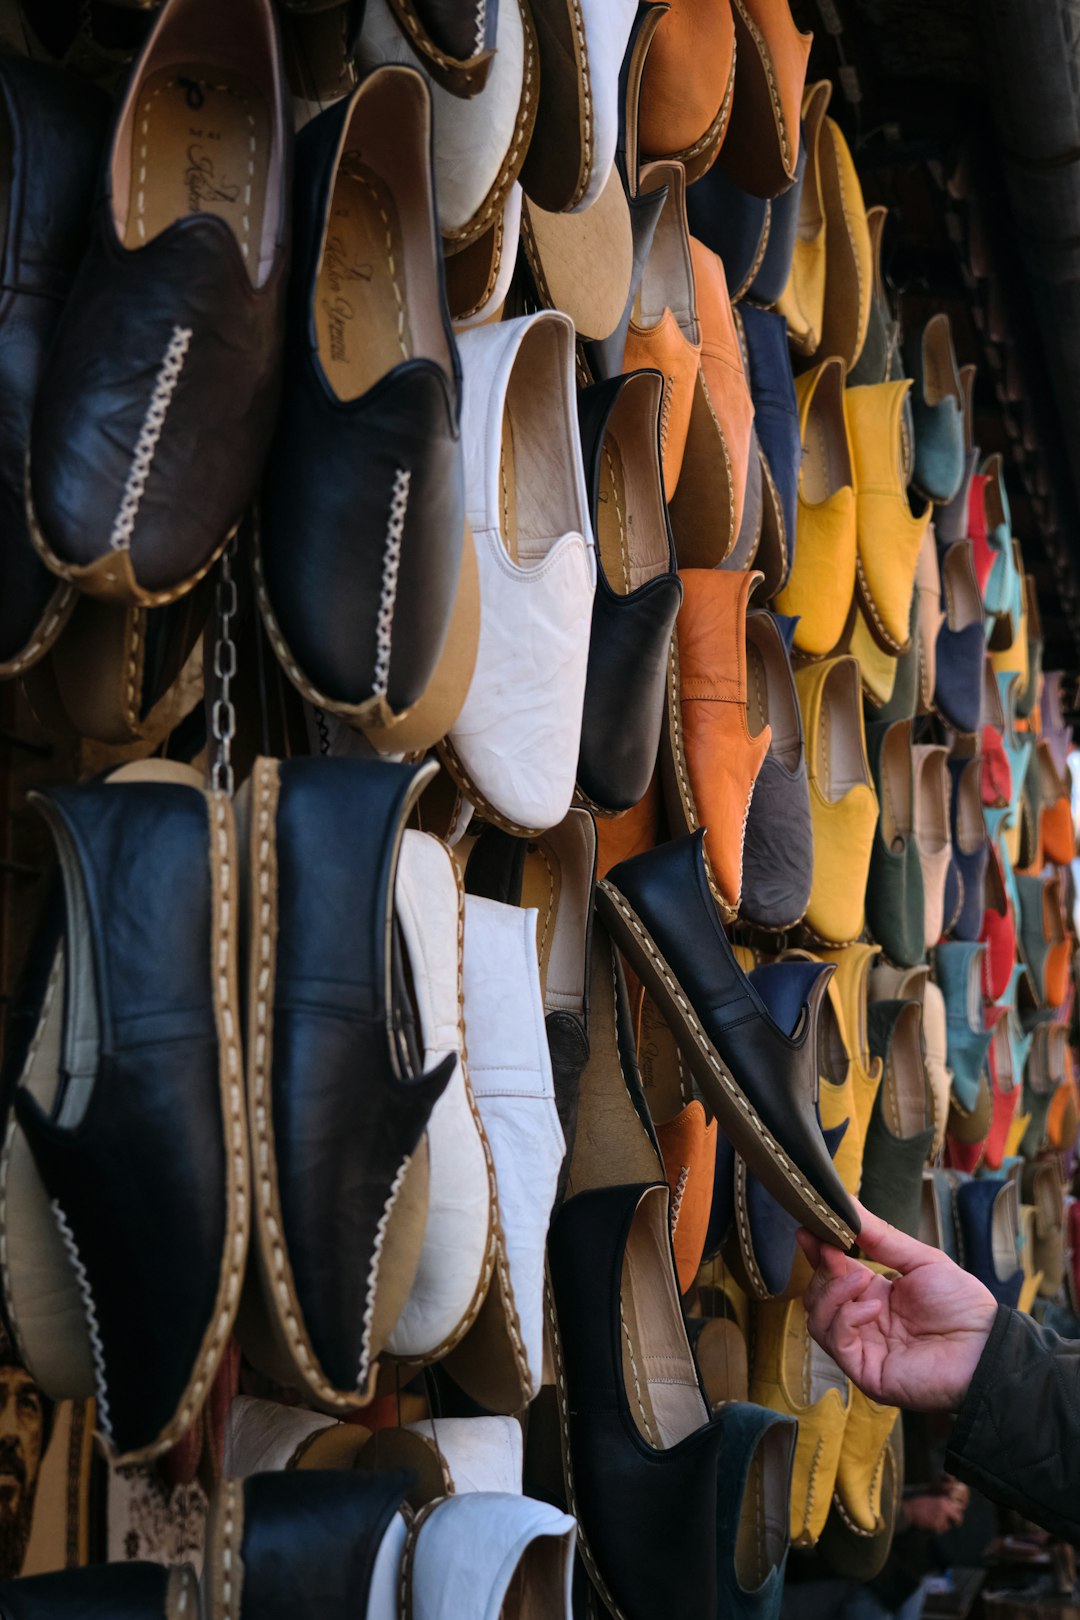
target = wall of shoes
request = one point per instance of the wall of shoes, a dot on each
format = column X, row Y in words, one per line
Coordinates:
column 527, row 775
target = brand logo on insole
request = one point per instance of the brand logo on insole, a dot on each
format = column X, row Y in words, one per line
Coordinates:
column 338, row 271
column 201, row 182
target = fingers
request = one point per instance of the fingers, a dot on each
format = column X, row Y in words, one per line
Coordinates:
column 810, row 1246
column 834, row 1271
column 882, row 1242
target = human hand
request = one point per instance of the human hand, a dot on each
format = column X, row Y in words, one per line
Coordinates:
column 933, row 1513
column 912, row 1342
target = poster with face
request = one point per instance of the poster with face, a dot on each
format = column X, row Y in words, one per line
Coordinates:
column 45, row 1453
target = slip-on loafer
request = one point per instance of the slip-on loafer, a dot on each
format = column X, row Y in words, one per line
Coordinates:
column 852, row 985
column 1005, row 1089
column 933, row 844
column 528, row 508
column 879, row 361
column 802, row 301
column 1056, row 828
column 767, row 1248
column 859, row 1496
column 792, row 1375
column 103, row 1592
column 776, row 423
column 958, row 968
column 761, row 149
column 952, row 518
column 686, row 1136
column 57, row 123
column 481, row 141
column 451, row 1456
column 499, row 1362
column 637, row 591
column 580, row 46
column 732, row 224
column 455, row 43
column 343, row 1168
column 1043, row 942
column 1002, row 587
column 901, row 1130
column 305, row 1545
column 1029, row 696
column 663, row 333
column 937, row 409
column 707, row 508
column 848, row 1550
column 478, row 278
column 637, row 1436
column 843, row 804
column 689, row 82
column 961, row 643
column 495, row 1556
column 754, row 1489
column 895, row 898
column 778, row 843
column 890, row 534
column 368, row 440
column 848, row 251
column 1045, row 1072
column 1041, row 1187
column 714, row 744
column 756, row 1074
column 124, row 1182
column 988, row 1226
column 999, row 928
column 156, row 406
column 977, row 529
column 821, row 585
column 970, row 851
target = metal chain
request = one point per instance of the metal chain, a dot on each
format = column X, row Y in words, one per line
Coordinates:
column 223, row 714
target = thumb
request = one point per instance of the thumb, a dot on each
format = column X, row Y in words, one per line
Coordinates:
column 890, row 1247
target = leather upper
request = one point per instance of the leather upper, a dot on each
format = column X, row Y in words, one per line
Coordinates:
column 982, row 1205
column 776, row 412
column 890, row 534
column 478, row 1549
column 778, row 848
column 688, row 81
column 894, row 891
column 57, row 124
column 356, row 487
column 730, row 222
column 957, row 969
column 762, row 144
column 843, row 805
column 848, row 252
column 937, row 410
column 136, row 1591
column 802, row 301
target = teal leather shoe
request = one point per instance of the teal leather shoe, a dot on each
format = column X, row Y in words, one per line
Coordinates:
column 895, row 900
column 937, row 408
column 754, row 1477
column 958, row 970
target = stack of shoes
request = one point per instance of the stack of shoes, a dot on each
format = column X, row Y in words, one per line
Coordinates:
column 555, row 789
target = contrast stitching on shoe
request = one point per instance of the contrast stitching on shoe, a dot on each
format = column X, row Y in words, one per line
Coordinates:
column 146, row 444
column 138, row 619
column 847, row 212
column 475, row 228
column 549, row 911
column 779, row 512
column 746, row 1246
column 452, row 760
column 493, row 272
column 716, row 129
column 355, row 171
column 898, row 648
column 587, row 118
column 229, row 1490
column 759, row 257
column 665, row 410
column 634, row 1373
column 384, row 623
column 774, row 91
column 44, row 634
column 702, row 1040
column 729, row 480
column 373, row 1271
column 93, row 1327
column 624, row 550
column 426, row 44
column 678, row 1192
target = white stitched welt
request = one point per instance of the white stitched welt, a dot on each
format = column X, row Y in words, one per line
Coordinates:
column 229, row 1489
column 97, row 1349
column 481, row 25
column 384, row 623
column 373, row 1271
column 146, row 445
column 44, row 634
column 677, row 1195
column 634, row 1374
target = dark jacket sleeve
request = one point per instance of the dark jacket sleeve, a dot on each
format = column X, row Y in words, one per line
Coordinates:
column 1017, row 1435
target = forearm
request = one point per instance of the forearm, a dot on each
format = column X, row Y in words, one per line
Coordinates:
column 1017, row 1435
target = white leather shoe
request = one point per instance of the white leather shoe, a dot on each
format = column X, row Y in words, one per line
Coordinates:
column 513, row 750
column 458, row 1254
column 500, row 1362
column 263, row 1436
column 479, row 144
column 479, row 1453
column 489, row 1557
column 581, row 45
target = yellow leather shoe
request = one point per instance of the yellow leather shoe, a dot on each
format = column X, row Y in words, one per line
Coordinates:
column 861, row 1469
column 802, row 303
column 1015, row 657
column 1029, row 1289
column 890, row 534
column 851, row 981
column 789, row 1373
column 849, row 255
column 843, row 804
column 821, row 586
column 878, row 669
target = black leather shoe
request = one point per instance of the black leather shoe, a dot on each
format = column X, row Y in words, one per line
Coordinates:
column 124, row 1186
column 638, row 591
column 103, row 1592
column 158, row 398
column 305, row 1545
column 757, row 1074
column 342, row 1168
column 456, row 43
column 53, row 129
column 363, row 508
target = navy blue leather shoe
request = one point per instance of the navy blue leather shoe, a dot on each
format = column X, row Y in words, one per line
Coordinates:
column 961, row 642
column 305, row 1545
column 638, row 591
column 771, row 276
column 124, row 1187
column 776, row 415
column 987, row 1221
column 758, row 1073
column 730, row 222
column 338, row 1089
column 103, row 1592
column 767, row 1245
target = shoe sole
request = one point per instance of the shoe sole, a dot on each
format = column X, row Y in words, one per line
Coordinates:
column 76, row 1369
column 738, row 1118
column 457, row 770
column 223, row 1578
column 461, row 76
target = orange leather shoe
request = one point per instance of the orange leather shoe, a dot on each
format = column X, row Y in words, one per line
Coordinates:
column 821, row 586
column 890, row 534
column 849, row 257
column 710, row 759
column 802, row 302
column 632, row 833
column 843, row 804
column 687, row 1138
column 663, row 333
column 762, row 145
column 688, row 85
column 707, row 507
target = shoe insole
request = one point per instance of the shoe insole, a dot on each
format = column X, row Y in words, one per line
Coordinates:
column 541, row 882
column 825, row 465
column 535, row 1591
column 664, row 1078
column 1003, row 1231
column 896, row 796
column 939, row 369
column 762, row 1536
column 659, row 1374
column 508, row 517
column 906, row 1102
column 770, row 700
column 931, row 800
column 631, row 531
column 611, row 519
column 361, row 303
column 970, row 827
column 841, row 758
column 201, row 145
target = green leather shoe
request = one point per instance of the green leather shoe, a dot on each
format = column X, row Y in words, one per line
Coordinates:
column 894, row 890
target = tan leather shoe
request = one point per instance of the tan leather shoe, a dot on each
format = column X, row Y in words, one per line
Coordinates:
column 664, row 333
column 686, row 93
column 802, row 302
column 848, row 253
column 821, row 586
column 761, row 150
column 843, row 805
column 687, row 1138
column 932, row 837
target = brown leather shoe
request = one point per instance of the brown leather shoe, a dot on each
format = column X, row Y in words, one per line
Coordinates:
column 762, row 145
column 688, row 85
